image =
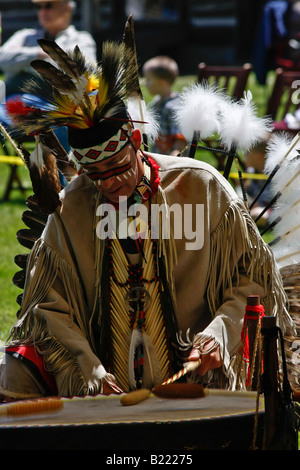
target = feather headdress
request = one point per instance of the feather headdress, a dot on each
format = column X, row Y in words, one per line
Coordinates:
column 66, row 89
column 86, row 97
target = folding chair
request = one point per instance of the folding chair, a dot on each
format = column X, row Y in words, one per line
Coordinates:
column 232, row 80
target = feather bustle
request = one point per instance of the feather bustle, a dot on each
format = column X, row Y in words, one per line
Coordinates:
column 45, row 179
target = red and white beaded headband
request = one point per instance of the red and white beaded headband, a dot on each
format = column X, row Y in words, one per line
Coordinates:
column 107, row 149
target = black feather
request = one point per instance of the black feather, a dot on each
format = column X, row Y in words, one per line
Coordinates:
column 32, row 204
column 83, row 66
column 33, row 221
column 19, row 279
column 27, row 237
column 66, row 166
column 21, row 260
column 60, row 57
column 129, row 42
column 54, row 76
column 19, row 300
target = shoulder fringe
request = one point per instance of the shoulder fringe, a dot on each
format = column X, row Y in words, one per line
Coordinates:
column 43, row 267
column 257, row 262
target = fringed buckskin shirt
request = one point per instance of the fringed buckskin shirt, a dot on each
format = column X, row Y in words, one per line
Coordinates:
column 209, row 282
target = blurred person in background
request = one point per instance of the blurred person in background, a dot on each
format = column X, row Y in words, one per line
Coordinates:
column 160, row 74
column 16, row 54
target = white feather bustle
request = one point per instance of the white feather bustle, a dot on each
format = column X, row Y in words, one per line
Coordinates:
column 283, row 152
column 278, row 148
column 206, row 110
column 36, row 157
column 198, row 110
column 143, row 117
column 240, row 127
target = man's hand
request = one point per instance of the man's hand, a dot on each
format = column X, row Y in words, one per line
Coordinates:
column 211, row 360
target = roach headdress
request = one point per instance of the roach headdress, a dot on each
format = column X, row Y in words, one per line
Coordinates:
column 87, row 98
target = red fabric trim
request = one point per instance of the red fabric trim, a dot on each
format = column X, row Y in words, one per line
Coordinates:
column 249, row 310
column 156, row 179
column 31, row 354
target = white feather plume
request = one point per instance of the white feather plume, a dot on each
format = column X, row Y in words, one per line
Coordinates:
column 285, row 185
column 36, row 157
column 198, row 110
column 286, row 179
column 154, row 374
column 240, row 127
column 278, row 148
column 143, row 117
column 135, row 341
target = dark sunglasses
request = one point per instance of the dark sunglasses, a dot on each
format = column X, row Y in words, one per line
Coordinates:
column 47, row 6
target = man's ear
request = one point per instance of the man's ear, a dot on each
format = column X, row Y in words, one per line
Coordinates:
column 136, row 139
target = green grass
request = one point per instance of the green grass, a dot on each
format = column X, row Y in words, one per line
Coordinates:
column 10, row 222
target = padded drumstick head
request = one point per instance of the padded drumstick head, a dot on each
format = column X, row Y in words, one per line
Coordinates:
column 179, row 390
column 135, row 397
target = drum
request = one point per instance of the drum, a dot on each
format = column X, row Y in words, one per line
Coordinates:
column 222, row 421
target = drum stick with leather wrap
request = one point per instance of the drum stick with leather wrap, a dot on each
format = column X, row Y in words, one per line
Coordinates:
column 182, row 390
column 27, row 407
column 136, row 396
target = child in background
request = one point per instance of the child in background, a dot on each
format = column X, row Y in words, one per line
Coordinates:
column 160, row 73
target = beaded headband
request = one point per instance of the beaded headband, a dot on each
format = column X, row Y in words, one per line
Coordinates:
column 104, row 150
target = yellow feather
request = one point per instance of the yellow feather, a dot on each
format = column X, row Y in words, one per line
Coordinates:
column 102, row 92
column 64, row 105
column 92, row 84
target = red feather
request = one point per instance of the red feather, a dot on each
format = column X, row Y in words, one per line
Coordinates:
column 16, row 107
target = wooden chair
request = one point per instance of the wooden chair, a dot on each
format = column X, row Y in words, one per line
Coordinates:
column 284, row 98
column 233, row 81
column 14, row 181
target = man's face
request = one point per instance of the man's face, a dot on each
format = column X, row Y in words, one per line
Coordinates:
column 153, row 83
column 53, row 15
column 117, row 176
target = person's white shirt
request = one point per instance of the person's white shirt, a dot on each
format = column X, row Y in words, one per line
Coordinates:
column 22, row 48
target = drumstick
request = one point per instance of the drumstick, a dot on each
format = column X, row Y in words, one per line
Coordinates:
column 191, row 365
column 28, row 407
column 182, row 390
column 136, row 396
column 190, row 390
